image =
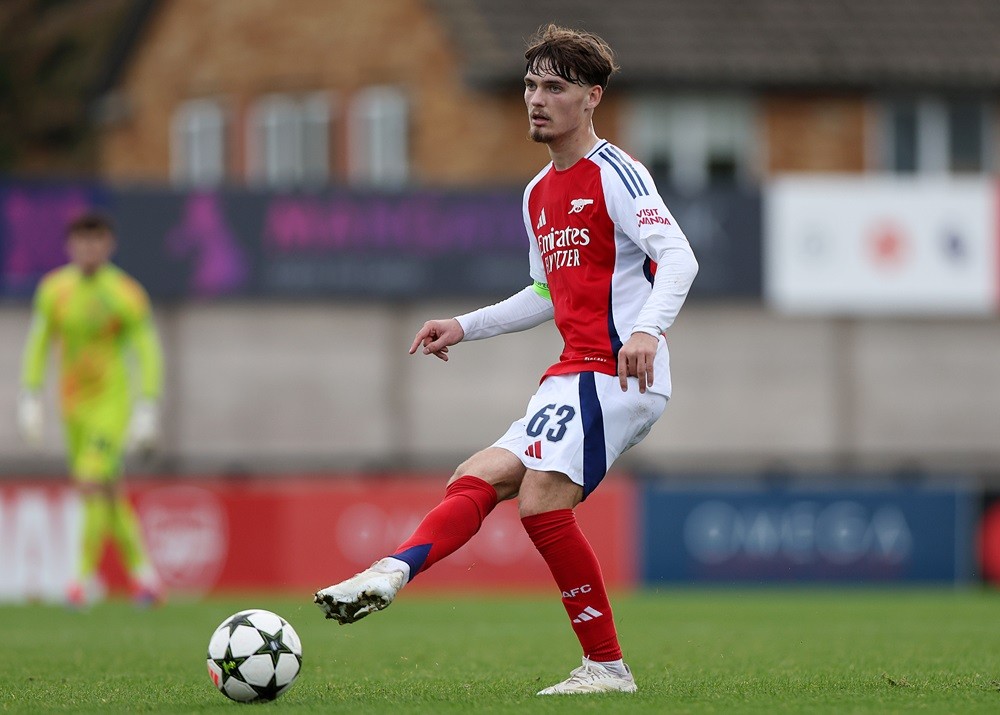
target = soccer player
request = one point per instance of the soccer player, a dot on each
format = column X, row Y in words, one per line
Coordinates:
column 97, row 313
column 611, row 266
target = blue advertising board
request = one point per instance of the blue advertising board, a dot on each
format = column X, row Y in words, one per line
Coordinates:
column 879, row 535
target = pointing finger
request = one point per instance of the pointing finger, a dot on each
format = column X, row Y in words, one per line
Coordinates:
column 421, row 337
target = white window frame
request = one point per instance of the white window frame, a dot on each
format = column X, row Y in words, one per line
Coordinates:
column 198, row 143
column 933, row 150
column 378, row 137
column 690, row 129
column 288, row 140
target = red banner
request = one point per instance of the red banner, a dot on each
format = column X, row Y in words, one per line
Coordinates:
column 296, row 534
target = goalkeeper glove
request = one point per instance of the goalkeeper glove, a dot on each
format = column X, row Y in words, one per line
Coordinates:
column 30, row 417
column 145, row 427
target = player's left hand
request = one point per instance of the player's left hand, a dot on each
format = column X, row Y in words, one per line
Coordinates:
column 635, row 359
column 144, row 429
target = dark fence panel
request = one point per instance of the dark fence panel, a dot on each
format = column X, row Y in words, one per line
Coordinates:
column 233, row 243
column 724, row 227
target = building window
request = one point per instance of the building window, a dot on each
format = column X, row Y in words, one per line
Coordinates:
column 197, row 143
column 968, row 136
column 903, row 131
column 288, row 140
column 693, row 141
column 935, row 135
column 378, row 137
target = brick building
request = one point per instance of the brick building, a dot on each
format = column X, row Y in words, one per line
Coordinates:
column 303, row 92
column 300, row 92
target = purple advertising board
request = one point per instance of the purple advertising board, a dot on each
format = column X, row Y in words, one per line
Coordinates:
column 33, row 218
column 232, row 243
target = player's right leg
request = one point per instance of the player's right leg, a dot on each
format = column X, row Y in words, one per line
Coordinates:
column 96, row 462
column 94, row 522
column 94, row 527
column 467, row 502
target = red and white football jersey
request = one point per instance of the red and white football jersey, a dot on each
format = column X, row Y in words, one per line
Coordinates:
column 598, row 227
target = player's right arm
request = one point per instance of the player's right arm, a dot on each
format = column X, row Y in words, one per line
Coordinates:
column 36, row 350
column 523, row 310
column 436, row 336
column 33, row 364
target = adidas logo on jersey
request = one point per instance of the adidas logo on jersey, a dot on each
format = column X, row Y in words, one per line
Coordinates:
column 577, row 205
column 541, row 219
column 589, row 614
column 534, row 450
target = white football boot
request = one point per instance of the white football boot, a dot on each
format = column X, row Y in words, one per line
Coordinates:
column 371, row 590
column 592, row 677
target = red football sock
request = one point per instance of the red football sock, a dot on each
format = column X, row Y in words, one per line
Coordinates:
column 449, row 525
column 574, row 566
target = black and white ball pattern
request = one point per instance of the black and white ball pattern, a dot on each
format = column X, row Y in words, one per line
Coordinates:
column 254, row 655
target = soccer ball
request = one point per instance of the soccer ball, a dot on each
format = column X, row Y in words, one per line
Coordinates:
column 254, row 655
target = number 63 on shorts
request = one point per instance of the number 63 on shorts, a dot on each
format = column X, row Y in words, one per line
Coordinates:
column 580, row 424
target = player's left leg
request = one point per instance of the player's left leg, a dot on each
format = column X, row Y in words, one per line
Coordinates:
column 581, row 424
column 546, row 502
column 127, row 533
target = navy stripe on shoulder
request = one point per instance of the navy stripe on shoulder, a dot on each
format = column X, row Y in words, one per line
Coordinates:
column 597, row 148
column 627, row 163
column 620, row 173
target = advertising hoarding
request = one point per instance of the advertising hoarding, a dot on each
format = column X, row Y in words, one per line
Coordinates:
column 882, row 246
column 339, row 243
column 847, row 535
column 291, row 535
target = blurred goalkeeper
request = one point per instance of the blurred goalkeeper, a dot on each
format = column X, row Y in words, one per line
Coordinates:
column 611, row 267
column 96, row 313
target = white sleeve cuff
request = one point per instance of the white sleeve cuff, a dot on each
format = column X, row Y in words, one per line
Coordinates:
column 648, row 330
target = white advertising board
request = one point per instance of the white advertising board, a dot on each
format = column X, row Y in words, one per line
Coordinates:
column 881, row 245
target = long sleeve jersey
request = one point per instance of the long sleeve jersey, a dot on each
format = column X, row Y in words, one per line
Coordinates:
column 608, row 254
column 95, row 319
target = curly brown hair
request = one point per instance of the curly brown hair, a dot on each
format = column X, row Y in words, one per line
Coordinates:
column 577, row 56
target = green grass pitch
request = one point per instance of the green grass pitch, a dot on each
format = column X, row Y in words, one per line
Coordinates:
column 692, row 651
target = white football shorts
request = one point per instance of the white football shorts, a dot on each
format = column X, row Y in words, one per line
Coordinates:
column 579, row 424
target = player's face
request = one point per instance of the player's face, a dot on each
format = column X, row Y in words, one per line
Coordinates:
column 557, row 108
column 89, row 250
